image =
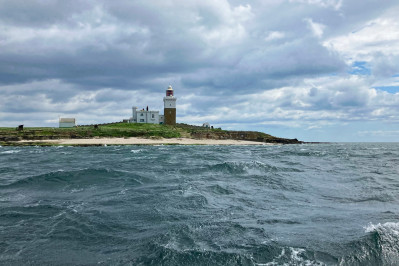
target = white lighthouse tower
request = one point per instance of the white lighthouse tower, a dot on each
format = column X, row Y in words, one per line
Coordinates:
column 169, row 102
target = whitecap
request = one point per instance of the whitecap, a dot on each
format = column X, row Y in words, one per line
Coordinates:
column 75, row 190
column 10, row 151
column 122, row 192
column 388, row 240
column 392, row 226
column 291, row 256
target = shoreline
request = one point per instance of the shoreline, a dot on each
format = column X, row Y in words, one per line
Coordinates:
column 135, row 141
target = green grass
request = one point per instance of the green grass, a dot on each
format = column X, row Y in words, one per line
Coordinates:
column 125, row 130
column 109, row 130
column 136, row 130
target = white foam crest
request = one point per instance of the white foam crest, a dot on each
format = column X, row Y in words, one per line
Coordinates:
column 36, row 151
column 294, row 255
column 296, row 258
column 75, row 190
column 389, row 235
column 10, row 151
column 388, row 226
column 122, row 192
column 136, row 151
column 76, row 207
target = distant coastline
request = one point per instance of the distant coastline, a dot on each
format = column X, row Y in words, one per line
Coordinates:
column 135, row 134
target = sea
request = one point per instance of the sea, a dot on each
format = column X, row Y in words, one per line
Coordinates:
column 306, row 204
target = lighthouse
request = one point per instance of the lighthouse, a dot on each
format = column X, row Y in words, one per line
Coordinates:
column 169, row 102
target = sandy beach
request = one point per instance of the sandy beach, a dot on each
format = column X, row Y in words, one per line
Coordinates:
column 144, row 141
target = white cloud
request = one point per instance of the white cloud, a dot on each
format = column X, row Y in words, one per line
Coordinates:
column 315, row 103
column 317, row 28
column 274, row 35
column 335, row 4
column 379, row 37
column 379, row 133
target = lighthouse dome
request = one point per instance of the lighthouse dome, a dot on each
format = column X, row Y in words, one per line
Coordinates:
column 169, row 91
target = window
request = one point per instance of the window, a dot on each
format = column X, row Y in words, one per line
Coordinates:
column 142, row 114
column 141, row 120
column 153, row 116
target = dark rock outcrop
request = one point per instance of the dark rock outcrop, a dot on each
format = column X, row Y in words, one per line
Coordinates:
column 242, row 135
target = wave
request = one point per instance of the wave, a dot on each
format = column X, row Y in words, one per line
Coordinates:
column 252, row 167
column 240, row 168
column 82, row 177
column 136, row 151
column 10, row 151
column 263, row 174
column 383, row 197
column 298, row 256
column 12, row 214
column 217, row 189
column 379, row 247
column 265, row 256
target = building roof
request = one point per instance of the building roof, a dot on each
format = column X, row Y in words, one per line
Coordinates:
column 67, row 120
column 145, row 111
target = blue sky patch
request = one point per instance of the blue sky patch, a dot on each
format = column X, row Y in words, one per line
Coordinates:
column 390, row 89
column 360, row 68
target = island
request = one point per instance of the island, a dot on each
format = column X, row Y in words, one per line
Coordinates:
column 122, row 133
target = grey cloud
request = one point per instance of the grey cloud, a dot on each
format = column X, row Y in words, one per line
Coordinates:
column 385, row 66
column 36, row 13
column 97, row 58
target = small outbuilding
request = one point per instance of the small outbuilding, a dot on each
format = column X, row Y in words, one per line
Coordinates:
column 206, row 125
column 67, row 122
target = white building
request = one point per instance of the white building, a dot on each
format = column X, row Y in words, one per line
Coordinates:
column 67, row 122
column 153, row 117
column 146, row 116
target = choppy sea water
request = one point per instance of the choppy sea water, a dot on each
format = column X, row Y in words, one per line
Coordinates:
column 313, row 204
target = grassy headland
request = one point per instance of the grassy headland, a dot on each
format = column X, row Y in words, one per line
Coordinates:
column 9, row 136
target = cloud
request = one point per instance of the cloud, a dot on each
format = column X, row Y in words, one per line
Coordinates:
column 335, row 4
column 379, row 133
column 375, row 43
column 317, row 28
column 295, row 63
column 316, row 102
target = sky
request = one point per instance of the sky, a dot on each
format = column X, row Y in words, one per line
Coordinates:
column 315, row 70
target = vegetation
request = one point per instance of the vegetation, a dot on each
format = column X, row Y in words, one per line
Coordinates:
column 107, row 130
column 125, row 130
